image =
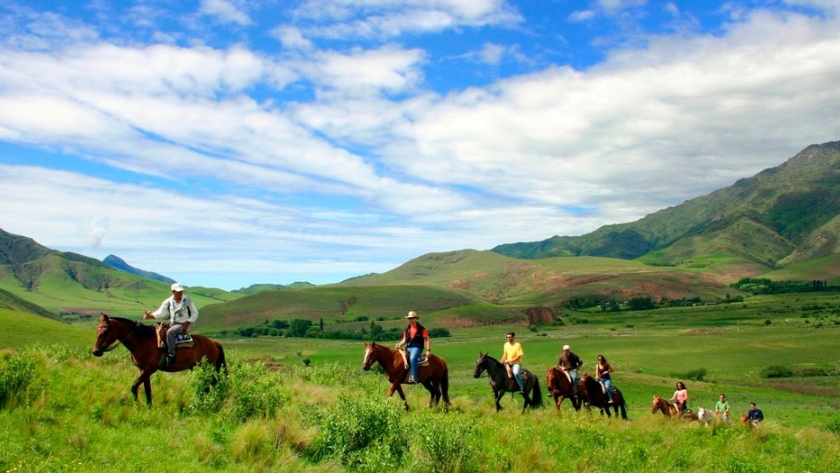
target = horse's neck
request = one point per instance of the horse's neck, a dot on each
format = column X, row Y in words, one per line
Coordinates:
column 389, row 359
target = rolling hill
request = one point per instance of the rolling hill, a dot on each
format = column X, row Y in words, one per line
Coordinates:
column 783, row 215
column 69, row 283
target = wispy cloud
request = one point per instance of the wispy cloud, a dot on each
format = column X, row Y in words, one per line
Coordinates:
column 314, row 157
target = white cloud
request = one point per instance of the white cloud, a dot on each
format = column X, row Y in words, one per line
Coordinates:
column 225, row 11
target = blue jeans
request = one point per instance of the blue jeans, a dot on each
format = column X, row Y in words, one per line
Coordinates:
column 573, row 375
column 515, row 368
column 607, row 385
column 413, row 357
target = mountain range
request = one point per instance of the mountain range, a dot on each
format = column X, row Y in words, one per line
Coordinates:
column 782, row 223
column 783, row 215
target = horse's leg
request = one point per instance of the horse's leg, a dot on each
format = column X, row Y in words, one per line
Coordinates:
column 145, row 378
column 434, row 391
column 498, row 395
column 398, row 388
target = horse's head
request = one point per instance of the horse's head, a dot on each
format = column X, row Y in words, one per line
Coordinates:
column 370, row 356
column 480, row 364
column 106, row 336
column 657, row 405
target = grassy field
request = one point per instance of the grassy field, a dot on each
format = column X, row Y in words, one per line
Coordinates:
column 275, row 414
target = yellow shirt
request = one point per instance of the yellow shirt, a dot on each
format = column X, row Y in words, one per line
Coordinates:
column 513, row 353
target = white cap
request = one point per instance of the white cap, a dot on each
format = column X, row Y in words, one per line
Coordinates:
column 177, row 287
column 566, row 347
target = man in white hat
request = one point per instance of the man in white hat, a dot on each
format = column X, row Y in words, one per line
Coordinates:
column 414, row 337
column 569, row 362
column 181, row 312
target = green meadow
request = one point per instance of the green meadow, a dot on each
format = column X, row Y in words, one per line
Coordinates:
column 305, row 405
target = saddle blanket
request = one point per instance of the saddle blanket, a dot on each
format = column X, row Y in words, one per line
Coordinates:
column 182, row 340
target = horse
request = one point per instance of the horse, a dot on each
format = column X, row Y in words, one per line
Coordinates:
column 501, row 384
column 669, row 409
column 706, row 416
column 595, row 396
column 559, row 385
column 434, row 376
column 141, row 341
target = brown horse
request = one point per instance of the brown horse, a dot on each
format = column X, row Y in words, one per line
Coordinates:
column 595, row 396
column 434, row 376
column 669, row 409
column 142, row 342
column 560, row 387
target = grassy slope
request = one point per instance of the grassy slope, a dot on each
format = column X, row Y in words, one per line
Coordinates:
column 481, row 285
column 21, row 329
column 94, row 289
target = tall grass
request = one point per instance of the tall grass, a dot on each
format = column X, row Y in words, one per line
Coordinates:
column 76, row 414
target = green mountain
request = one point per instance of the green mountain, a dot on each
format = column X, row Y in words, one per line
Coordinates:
column 118, row 263
column 783, row 215
column 65, row 283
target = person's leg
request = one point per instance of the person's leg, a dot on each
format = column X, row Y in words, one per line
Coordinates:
column 607, row 385
column 414, row 356
column 516, row 368
column 171, row 335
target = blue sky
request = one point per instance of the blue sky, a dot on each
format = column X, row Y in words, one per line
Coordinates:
column 226, row 143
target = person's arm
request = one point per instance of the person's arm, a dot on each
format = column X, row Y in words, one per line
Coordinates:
column 163, row 309
column 428, row 342
column 192, row 310
column 401, row 342
column 759, row 414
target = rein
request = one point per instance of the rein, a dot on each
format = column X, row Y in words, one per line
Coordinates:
column 117, row 341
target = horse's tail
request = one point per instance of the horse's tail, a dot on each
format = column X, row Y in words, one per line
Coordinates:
column 444, row 384
column 623, row 407
column 220, row 360
column 537, row 399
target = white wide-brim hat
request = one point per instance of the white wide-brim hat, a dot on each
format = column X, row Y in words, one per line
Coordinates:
column 412, row 315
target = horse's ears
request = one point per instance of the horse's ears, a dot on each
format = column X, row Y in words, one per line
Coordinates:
column 103, row 317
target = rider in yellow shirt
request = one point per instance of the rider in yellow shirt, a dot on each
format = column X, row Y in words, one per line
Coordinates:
column 512, row 359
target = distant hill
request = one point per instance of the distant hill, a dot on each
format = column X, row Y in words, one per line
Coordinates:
column 118, row 263
column 783, row 215
column 70, row 283
column 255, row 288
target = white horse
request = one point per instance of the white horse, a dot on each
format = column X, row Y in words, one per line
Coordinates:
column 705, row 416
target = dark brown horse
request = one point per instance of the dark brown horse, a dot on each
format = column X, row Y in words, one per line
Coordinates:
column 596, row 397
column 434, row 376
column 560, row 387
column 501, row 384
column 141, row 341
column 669, row 409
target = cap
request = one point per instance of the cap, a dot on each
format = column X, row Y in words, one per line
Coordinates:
column 412, row 315
column 566, row 347
column 177, row 287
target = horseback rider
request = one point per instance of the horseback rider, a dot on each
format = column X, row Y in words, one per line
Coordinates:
column 569, row 363
column 181, row 311
column 414, row 337
column 602, row 374
column 512, row 359
column 680, row 398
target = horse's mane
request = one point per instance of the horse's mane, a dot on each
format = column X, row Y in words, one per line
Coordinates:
column 141, row 331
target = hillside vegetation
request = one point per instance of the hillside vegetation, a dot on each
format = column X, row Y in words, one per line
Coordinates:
column 782, row 215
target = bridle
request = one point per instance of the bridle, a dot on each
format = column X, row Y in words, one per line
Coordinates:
column 107, row 326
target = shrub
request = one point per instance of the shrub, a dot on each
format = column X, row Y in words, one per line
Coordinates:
column 15, row 375
column 776, row 371
column 208, row 388
column 445, row 442
column 255, row 392
column 363, row 433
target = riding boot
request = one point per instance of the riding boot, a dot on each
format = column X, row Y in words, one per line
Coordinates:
column 170, row 360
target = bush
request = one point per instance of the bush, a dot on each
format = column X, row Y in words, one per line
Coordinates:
column 776, row 371
column 255, row 392
column 445, row 442
column 363, row 433
column 15, row 375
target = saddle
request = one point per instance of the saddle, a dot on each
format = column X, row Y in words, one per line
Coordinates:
column 512, row 385
column 422, row 361
column 182, row 340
